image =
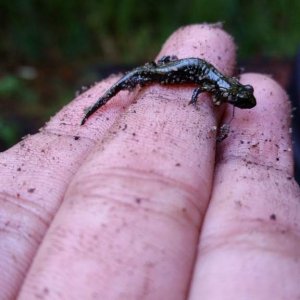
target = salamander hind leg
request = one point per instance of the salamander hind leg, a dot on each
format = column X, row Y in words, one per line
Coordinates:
column 166, row 59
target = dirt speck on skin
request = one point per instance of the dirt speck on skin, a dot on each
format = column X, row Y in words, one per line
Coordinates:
column 273, row 217
column 238, row 204
column 31, row 190
column 42, row 294
column 178, row 165
column 76, row 138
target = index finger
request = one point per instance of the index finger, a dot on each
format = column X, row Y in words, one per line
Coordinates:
column 130, row 220
column 251, row 232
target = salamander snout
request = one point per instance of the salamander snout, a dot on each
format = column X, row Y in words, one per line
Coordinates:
column 244, row 97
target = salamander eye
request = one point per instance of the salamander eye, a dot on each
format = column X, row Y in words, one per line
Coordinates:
column 249, row 88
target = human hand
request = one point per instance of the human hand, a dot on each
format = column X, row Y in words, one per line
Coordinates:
column 140, row 203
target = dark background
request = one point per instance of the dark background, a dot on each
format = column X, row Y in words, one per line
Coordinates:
column 50, row 48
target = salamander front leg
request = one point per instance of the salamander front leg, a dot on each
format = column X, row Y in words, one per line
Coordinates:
column 205, row 87
column 195, row 95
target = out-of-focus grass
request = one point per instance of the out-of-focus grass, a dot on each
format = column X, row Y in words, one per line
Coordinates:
column 131, row 30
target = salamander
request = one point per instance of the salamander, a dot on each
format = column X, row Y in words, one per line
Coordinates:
column 171, row 70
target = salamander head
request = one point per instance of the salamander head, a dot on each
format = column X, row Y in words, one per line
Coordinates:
column 242, row 96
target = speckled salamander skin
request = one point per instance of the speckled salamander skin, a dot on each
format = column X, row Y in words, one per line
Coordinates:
column 171, row 70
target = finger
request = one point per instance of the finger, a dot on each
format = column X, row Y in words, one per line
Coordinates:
column 34, row 176
column 129, row 223
column 249, row 246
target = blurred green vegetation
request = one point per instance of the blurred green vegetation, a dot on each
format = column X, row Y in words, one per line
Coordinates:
column 51, row 33
column 132, row 30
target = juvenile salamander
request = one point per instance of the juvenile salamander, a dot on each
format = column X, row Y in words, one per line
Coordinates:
column 171, row 70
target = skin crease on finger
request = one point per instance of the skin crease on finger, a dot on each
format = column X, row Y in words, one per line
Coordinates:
column 250, row 240
column 129, row 223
